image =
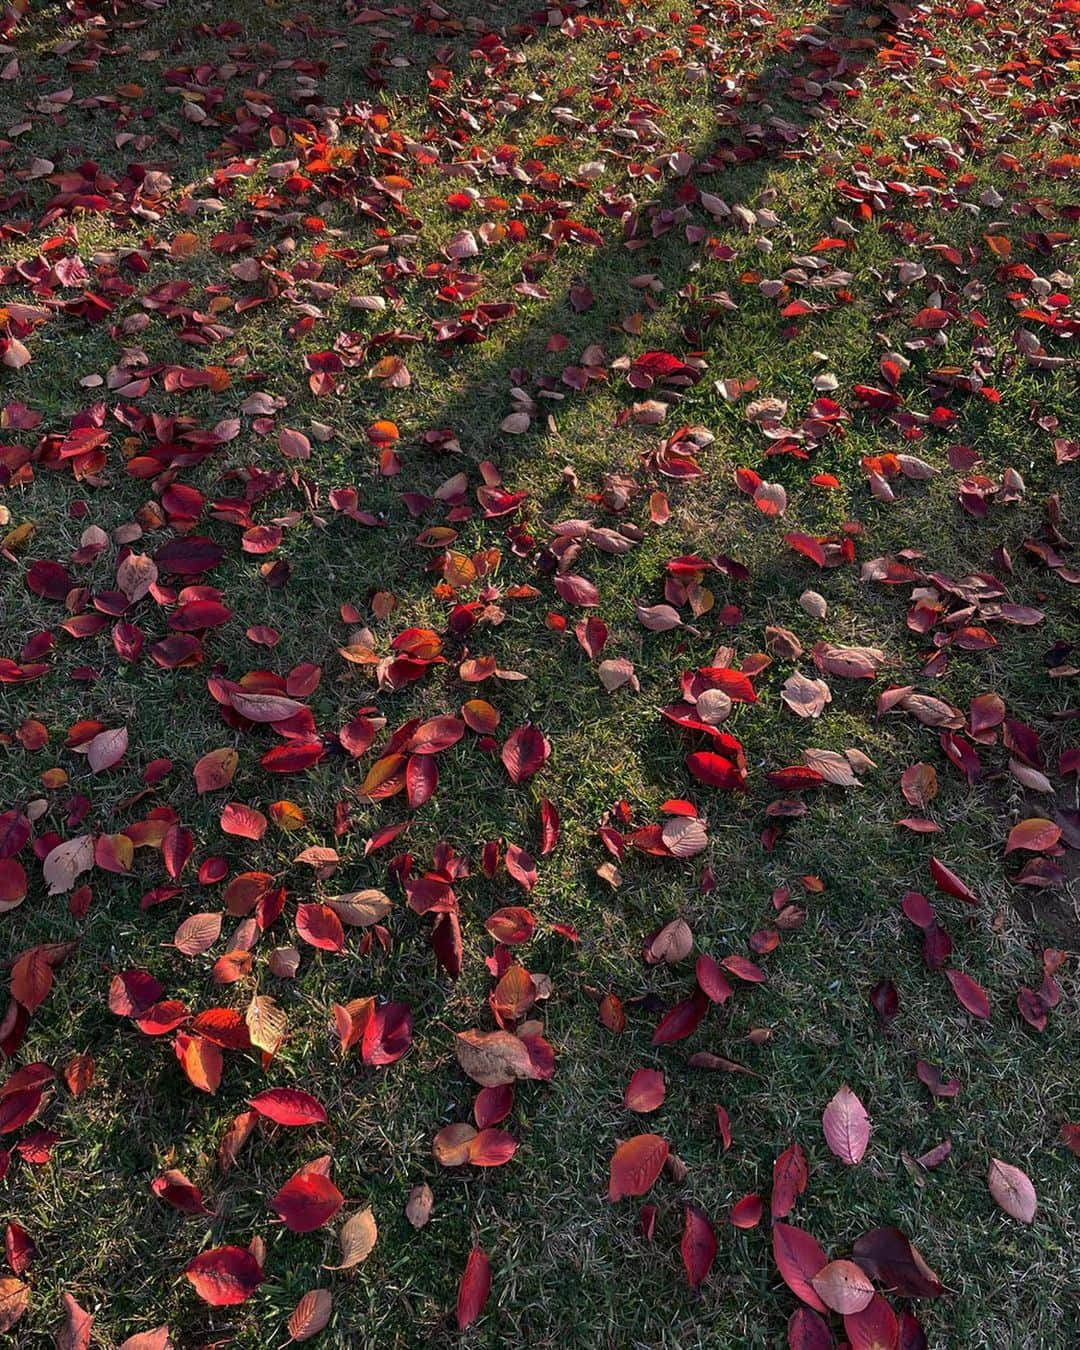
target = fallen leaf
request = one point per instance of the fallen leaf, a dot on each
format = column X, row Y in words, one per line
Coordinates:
column 636, row 1164
column 1012, row 1190
column 847, row 1127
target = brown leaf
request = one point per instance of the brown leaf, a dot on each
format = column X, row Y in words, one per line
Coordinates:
column 356, row 1239
column 266, row 1023
column 673, row 943
column 491, row 1058
column 853, row 663
column 197, row 934
column 311, row 1314
column 833, row 767
column 658, row 618
column 419, row 1205
column 106, row 749
column 215, row 769
column 919, row 785
column 361, row 909
column 14, row 1301
column 1012, row 1190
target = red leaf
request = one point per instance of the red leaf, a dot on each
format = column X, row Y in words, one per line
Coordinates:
column 712, row 981
column 795, row 778
column 790, row 1176
column 435, row 735
column 549, row 828
column 743, row 969
column 491, row 1148
column 474, row 1288
column 75, row 1333
column 158, row 1339
column 917, row 909
column 201, row 1060
column 387, row 1034
column 747, row 1212
column 19, row 1248
column 807, row 545
column 874, row 1327
column 492, row 1105
column 12, row 883
column 18, row 1106
column 243, row 821
column 1035, row 835
column 636, row 1164
column 189, row 555
column 320, row 926
column 162, row 1017
column 511, row 925
column 175, row 1189
column 645, row 1091
column 288, row 1106
column 592, row 634
column 912, row 1336
column 715, row 770
column 798, row 1258
column 224, row 1275
column 307, row 1201
column 577, row 591
column 970, row 993
column 293, row 758
column 524, row 753
column 889, row 1257
column 947, row 881
column 31, row 978
column 176, row 848
column 806, row 1331
column 132, row 992
column 681, row 1020
column 698, row 1245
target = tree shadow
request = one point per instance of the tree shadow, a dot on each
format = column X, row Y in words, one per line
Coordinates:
column 760, row 130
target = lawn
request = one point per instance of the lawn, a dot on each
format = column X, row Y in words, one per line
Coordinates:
column 539, row 638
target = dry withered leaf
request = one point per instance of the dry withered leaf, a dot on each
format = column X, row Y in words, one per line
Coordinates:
column 420, row 1204
column 311, row 1315
column 357, row 1239
column 805, row 698
column 1012, row 1190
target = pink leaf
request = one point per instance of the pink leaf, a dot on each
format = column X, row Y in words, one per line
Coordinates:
column 846, row 1126
column 1012, row 1190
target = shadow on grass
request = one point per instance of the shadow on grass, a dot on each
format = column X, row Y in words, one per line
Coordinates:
column 759, row 129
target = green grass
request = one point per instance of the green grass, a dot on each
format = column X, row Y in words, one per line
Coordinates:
column 569, row 1268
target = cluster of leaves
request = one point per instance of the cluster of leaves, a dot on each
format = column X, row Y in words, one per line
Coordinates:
column 189, row 486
